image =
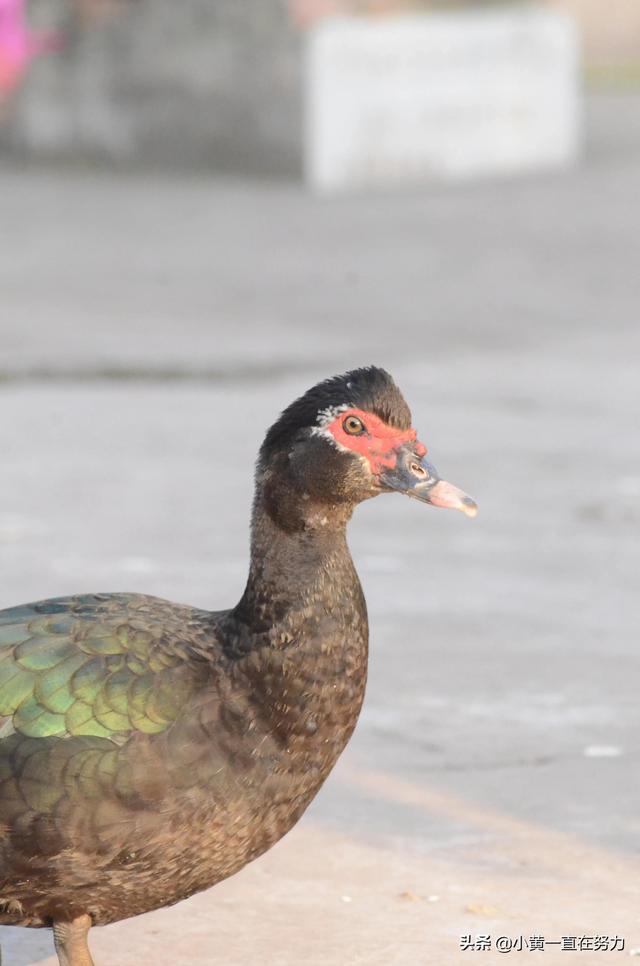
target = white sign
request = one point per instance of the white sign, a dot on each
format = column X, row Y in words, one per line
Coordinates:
column 456, row 95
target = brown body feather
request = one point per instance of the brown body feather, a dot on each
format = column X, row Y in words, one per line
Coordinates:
column 149, row 750
column 115, row 829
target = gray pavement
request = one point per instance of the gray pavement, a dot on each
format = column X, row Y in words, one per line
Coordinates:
column 152, row 328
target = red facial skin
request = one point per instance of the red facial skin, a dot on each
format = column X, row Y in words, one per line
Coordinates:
column 379, row 443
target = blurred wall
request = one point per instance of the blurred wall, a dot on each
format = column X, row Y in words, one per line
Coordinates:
column 215, row 82
column 611, row 31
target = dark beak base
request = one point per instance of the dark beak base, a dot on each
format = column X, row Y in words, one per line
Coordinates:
column 419, row 479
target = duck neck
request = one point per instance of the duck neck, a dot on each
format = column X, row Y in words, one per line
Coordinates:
column 299, row 634
column 299, row 561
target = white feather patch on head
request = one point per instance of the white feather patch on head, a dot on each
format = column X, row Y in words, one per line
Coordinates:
column 325, row 418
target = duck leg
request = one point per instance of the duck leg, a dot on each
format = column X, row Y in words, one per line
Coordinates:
column 70, row 939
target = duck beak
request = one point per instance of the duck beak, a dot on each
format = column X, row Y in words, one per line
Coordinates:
column 416, row 477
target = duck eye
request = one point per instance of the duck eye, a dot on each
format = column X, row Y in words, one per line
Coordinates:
column 353, row 426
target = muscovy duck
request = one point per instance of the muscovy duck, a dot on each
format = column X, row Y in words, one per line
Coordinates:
column 149, row 749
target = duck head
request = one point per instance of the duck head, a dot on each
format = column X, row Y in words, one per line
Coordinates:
column 346, row 440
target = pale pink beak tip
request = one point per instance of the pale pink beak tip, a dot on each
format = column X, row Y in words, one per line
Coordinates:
column 446, row 495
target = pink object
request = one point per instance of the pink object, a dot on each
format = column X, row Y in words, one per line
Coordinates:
column 18, row 45
column 306, row 12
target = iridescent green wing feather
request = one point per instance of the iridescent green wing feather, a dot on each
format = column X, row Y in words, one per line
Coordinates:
column 102, row 666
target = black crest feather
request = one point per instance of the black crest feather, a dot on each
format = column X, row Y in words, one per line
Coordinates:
column 369, row 388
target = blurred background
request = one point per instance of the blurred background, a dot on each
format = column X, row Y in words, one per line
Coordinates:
column 173, row 273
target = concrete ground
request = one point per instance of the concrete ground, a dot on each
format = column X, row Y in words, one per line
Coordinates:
column 152, row 328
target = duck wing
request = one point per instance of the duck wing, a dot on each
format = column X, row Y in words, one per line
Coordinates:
column 105, row 666
column 114, row 744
